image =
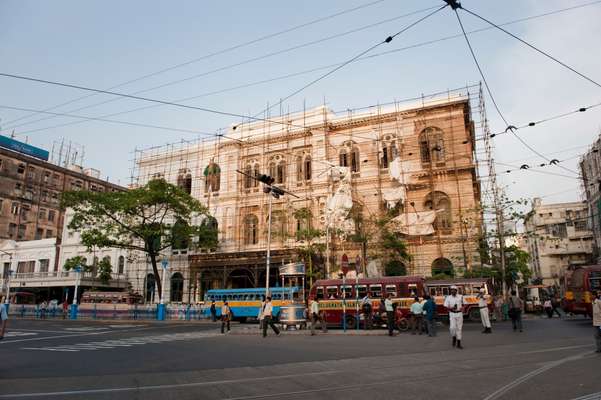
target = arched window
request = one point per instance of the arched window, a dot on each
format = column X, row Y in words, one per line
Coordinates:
column 179, row 235
column 440, row 202
column 256, row 173
column 389, row 153
column 442, row 266
column 303, row 168
column 299, row 169
column 280, row 175
column 247, row 177
column 431, row 145
column 150, row 285
column 177, row 287
column 251, row 229
column 307, row 168
column 279, row 229
column 184, row 180
column 212, row 175
column 343, row 158
column 121, row 265
column 349, row 156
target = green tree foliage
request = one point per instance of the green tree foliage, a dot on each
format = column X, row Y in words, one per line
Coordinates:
column 141, row 219
column 395, row 268
column 73, row 262
column 516, row 264
column 105, row 269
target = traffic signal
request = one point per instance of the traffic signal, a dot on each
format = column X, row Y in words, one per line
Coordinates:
column 266, row 179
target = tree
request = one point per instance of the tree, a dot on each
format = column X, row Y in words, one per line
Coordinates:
column 105, row 269
column 73, row 262
column 388, row 245
column 308, row 235
column 516, row 264
column 148, row 219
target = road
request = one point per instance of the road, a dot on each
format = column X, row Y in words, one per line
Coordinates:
column 551, row 359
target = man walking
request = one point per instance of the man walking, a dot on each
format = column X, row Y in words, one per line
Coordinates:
column 225, row 317
column 416, row 316
column 454, row 305
column 484, row 312
column 367, row 312
column 389, row 314
column 516, row 305
column 430, row 315
column 555, row 307
column 268, row 317
column 213, row 311
column 314, row 313
column 3, row 318
column 597, row 320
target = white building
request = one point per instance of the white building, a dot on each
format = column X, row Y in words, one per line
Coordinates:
column 558, row 236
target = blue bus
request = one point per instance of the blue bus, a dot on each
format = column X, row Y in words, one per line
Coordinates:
column 245, row 303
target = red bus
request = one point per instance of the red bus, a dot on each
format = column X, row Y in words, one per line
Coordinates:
column 468, row 287
column 581, row 283
column 336, row 299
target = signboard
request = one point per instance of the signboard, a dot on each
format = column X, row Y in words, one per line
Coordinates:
column 23, row 148
column 292, row 269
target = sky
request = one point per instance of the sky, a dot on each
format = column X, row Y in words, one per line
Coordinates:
column 103, row 44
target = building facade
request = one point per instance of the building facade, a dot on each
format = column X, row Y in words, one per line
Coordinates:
column 558, row 236
column 412, row 161
column 590, row 168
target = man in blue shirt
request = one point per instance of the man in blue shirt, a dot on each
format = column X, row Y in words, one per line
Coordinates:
column 430, row 315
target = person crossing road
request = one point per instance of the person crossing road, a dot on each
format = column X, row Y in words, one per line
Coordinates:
column 454, row 304
column 268, row 317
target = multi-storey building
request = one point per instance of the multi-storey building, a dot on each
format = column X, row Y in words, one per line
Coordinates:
column 558, row 236
column 30, row 189
column 416, row 161
column 590, row 168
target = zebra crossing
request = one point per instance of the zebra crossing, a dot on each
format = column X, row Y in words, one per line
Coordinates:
column 127, row 342
column 19, row 334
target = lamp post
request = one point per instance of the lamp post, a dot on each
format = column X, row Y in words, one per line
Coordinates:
column 77, row 270
column 161, row 307
column 268, row 256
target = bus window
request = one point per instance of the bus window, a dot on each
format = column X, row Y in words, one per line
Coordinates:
column 445, row 291
column 391, row 289
column 332, row 292
column 319, row 293
column 361, row 290
column 347, row 292
column 432, row 291
column 413, row 290
column 375, row 291
column 467, row 289
column 594, row 280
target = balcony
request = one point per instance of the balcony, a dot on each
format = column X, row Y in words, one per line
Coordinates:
column 63, row 278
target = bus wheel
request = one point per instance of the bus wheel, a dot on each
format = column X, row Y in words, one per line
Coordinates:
column 403, row 324
column 474, row 314
column 350, row 322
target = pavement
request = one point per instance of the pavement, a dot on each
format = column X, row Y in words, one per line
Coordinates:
column 55, row 359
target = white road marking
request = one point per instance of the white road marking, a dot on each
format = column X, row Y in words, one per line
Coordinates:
column 592, row 396
column 19, row 333
column 555, row 349
column 86, row 329
column 156, row 387
column 111, row 344
column 501, row 391
column 124, row 326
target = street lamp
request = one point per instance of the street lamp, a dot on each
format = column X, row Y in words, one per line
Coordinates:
column 161, row 308
column 77, row 270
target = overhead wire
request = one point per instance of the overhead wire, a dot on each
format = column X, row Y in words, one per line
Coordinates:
column 215, row 53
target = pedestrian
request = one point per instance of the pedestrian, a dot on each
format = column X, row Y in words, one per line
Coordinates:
column 389, row 314
column 225, row 317
column 66, row 309
column 315, row 318
column 367, row 312
column 213, row 311
column 498, row 313
column 261, row 317
column 43, row 308
column 454, row 305
column 429, row 308
column 597, row 320
column 3, row 318
column 484, row 312
column 417, row 313
column 555, row 307
column 548, row 308
column 516, row 305
column 268, row 317
column 399, row 319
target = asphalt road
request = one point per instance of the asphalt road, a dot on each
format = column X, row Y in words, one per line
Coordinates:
column 551, row 359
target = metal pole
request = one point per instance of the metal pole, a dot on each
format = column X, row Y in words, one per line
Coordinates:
column 163, row 287
column 77, row 282
column 500, row 235
column 344, row 301
column 268, row 258
column 356, row 298
column 328, row 251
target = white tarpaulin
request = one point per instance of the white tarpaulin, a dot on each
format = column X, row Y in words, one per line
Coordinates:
column 414, row 223
column 401, row 170
column 340, row 204
column 393, row 195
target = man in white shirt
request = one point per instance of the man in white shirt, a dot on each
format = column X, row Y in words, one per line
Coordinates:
column 315, row 318
column 268, row 317
column 417, row 312
column 389, row 314
column 225, row 317
column 484, row 317
column 454, row 304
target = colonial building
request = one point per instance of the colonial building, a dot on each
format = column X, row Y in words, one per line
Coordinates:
column 415, row 161
column 558, row 237
column 590, row 167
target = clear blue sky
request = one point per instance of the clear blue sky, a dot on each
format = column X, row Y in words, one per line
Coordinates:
column 104, row 43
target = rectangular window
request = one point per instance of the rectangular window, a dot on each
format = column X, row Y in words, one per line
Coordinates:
column 425, row 152
column 24, row 212
column 391, row 289
column 375, row 291
column 31, row 174
column 51, row 214
column 5, row 270
column 347, row 291
column 361, row 290
column 44, row 263
column 21, row 232
column 49, row 233
column 14, row 209
column 319, row 294
column 12, row 230
column 46, row 177
column 20, row 168
column 18, row 186
column 39, row 233
column 42, row 214
column 332, row 292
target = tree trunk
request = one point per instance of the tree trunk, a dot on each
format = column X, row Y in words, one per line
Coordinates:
column 155, row 271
